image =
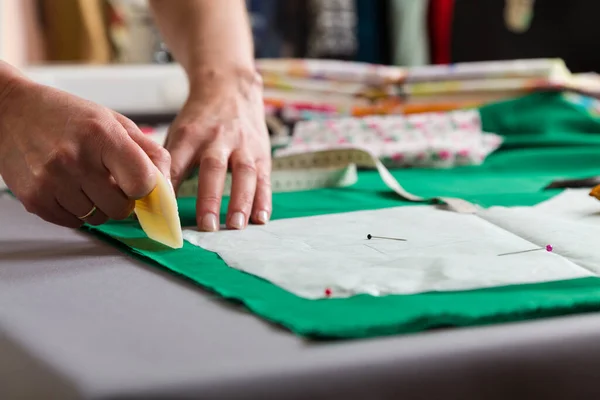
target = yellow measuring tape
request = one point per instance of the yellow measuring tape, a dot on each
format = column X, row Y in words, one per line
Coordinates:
column 330, row 168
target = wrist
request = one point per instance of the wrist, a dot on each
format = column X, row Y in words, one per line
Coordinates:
column 206, row 79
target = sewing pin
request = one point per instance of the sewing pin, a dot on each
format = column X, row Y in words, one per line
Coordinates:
column 548, row 248
column 369, row 236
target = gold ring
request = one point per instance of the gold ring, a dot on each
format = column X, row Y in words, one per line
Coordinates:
column 89, row 214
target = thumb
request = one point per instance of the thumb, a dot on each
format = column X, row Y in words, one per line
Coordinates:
column 157, row 153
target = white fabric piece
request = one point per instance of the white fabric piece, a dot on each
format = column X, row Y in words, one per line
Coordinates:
column 444, row 251
column 570, row 222
column 575, row 204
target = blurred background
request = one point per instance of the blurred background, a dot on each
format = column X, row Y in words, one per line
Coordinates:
column 355, row 57
column 394, row 32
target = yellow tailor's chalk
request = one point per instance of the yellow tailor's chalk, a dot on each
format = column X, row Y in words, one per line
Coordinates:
column 158, row 214
column 595, row 192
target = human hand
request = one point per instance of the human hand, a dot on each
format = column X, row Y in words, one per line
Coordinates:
column 222, row 125
column 63, row 156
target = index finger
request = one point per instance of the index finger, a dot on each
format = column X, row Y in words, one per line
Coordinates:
column 157, row 153
column 129, row 165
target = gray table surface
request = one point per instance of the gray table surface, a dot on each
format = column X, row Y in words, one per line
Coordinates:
column 78, row 319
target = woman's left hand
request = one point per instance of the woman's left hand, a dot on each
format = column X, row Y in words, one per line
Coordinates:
column 221, row 125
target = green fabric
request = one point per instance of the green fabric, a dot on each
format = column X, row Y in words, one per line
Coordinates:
column 509, row 177
column 543, row 119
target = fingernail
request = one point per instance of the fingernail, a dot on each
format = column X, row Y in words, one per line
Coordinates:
column 262, row 217
column 238, row 220
column 209, row 223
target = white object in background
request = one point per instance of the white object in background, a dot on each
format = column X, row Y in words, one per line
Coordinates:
column 128, row 89
column 443, row 251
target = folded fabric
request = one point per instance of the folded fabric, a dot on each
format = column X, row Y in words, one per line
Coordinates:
column 346, row 71
column 304, row 89
column 319, row 86
column 298, row 106
column 544, row 68
column 426, row 140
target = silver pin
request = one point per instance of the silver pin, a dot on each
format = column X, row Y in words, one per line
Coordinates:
column 548, row 248
column 369, row 236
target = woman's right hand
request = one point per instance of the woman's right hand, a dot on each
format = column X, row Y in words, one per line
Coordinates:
column 61, row 156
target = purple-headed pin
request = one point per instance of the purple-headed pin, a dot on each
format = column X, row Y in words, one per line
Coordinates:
column 548, row 248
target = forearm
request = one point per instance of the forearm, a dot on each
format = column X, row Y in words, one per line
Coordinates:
column 209, row 38
column 10, row 78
